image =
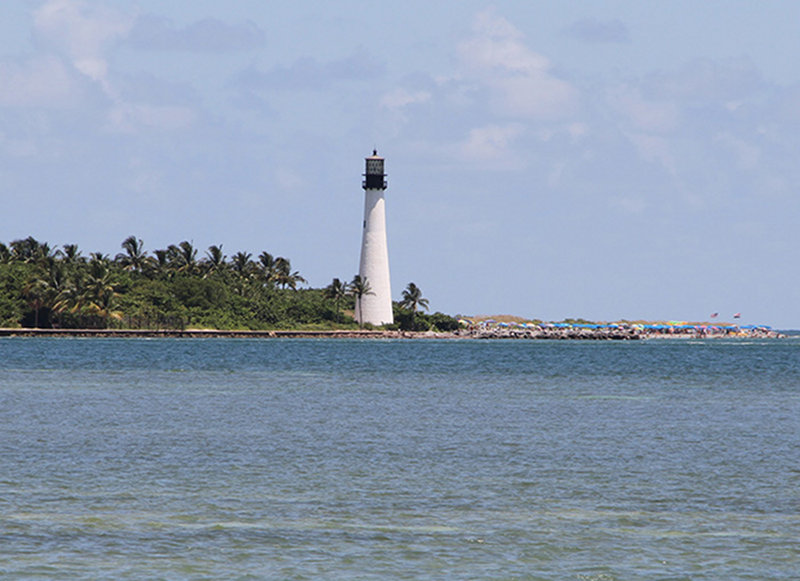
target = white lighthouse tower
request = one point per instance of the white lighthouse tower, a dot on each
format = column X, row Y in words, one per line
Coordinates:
column 375, row 307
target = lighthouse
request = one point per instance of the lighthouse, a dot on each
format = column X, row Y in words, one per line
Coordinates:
column 374, row 307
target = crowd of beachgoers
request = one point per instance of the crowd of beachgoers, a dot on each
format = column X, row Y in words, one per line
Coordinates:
column 608, row 331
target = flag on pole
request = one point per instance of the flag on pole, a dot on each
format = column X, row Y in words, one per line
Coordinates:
column 737, row 315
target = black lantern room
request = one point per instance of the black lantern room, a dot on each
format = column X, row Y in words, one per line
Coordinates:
column 374, row 176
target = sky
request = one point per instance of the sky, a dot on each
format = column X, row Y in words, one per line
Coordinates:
column 622, row 159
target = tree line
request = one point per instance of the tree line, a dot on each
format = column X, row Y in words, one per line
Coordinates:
column 174, row 288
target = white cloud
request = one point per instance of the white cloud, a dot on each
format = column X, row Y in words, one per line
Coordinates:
column 520, row 80
column 705, row 80
column 629, row 204
column 40, row 82
column 577, row 130
column 128, row 118
column 396, row 105
column 497, row 44
column 83, row 32
column 654, row 149
column 401, row 98
column 597, row 31
column 288, row 179
column 208, row 35
column 491, row 143
column 308, row 73
column 642, row 114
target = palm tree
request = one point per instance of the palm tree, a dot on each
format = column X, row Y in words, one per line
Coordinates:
column 98, row 292
column 71, row 254
column 214, row 260
column 266, row 266
column 241, row 264
column 412, row 299
column 36, row 292
column 60, row 276
column 30, row 250
column 161, row 262
column 44, row 287
column 358, row 288
column 134, row 259
column 99, row 257
column 336, row 291
column 284, row 276
column 26, row 250
column 183, row 257
column 70, row 295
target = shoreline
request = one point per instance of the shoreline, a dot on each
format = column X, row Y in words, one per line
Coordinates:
column 202, row 333
column 480, row 332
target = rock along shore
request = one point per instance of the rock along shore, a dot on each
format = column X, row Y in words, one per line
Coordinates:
column 544, row 332
column 614, row 332
column 201, row 333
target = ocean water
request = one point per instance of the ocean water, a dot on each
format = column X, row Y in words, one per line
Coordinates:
column 348, row 459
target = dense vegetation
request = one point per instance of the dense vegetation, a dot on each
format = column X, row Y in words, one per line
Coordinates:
column 174, row 289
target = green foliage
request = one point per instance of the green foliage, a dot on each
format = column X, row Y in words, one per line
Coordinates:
column 12, row 282
column 172, row 288
column 442, row 322
column 406, row 320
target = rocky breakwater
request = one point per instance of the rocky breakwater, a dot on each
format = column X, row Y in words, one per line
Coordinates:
column 552, row 332
column 614, row 331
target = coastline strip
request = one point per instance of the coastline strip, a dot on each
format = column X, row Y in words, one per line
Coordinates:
column 481, row 332
column 201, row 333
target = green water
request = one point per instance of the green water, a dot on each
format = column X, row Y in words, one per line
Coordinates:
column 347, row 459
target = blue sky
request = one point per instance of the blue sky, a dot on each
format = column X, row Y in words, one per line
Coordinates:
column 606, row 160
